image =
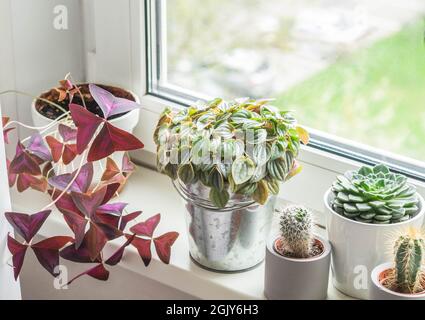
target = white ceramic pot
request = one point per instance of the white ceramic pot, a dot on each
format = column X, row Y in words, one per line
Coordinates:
column 296, row 279
column 358, row 247
column 125, row 122
column 379, row 292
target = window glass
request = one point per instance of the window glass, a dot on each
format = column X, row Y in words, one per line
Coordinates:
column 353, row 69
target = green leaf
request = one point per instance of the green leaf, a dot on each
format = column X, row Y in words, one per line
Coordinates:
column 216, row 179
column 186, row 173
column 261, row 193
column 219, row 198
column 260, row 154
column 380, row 168
column 242, row 169
column 365, row 171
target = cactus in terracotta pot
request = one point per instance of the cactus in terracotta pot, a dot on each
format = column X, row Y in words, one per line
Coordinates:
column 296, row 227
column 409, row 253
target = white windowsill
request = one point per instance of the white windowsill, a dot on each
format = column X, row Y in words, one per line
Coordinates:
column 152, row 192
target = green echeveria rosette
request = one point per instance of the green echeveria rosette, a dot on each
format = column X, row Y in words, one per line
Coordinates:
column 245, row 147
column 374, row 195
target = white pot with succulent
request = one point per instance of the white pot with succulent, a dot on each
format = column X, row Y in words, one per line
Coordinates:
column 227, row 159
column 365, row 209
column 403, row 279
column 297, row 261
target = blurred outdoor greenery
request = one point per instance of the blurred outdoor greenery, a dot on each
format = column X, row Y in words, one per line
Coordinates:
column 376, row 96
column 373, row 94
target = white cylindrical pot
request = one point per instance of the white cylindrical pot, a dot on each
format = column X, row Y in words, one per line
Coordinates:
column 379, row 292
column 125, row 122
column 358, row 247
column 296, row 279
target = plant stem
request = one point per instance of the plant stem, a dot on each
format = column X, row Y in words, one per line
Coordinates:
column 36, row 98
column 78, row 90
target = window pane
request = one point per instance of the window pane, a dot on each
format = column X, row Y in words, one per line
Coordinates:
column 354, row 69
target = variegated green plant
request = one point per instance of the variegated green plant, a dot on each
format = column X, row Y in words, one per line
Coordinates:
column 244, row 146
column 374, row 195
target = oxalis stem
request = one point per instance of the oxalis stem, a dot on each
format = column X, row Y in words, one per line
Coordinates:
column 36, row 98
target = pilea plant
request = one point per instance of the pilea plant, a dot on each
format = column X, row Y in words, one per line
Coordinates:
column 374, row 195
column 244, row 146
column 80, row 139
column 408, row 275
column 296, row 230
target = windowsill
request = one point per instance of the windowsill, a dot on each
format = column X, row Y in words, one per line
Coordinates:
column 152, row 192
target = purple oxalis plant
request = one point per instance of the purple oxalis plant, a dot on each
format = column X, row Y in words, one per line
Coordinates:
column 86, row 207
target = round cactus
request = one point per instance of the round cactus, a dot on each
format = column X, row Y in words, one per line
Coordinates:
column 296, row 226
column 409, row 259
column 374, row 195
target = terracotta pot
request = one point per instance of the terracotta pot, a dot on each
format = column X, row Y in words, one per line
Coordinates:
column 379, row 292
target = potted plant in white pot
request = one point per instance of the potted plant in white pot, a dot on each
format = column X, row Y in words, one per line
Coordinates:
column 297, row 261
column 227, row 160
column 119, row 106
column 365, row 207
column 403, row 279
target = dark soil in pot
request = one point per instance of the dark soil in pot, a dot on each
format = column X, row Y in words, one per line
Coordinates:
column 281, row 248
column 53, row 112
column 385, row 280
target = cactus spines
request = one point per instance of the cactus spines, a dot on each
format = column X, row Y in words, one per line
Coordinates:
column 296, row 226
column 409, row 258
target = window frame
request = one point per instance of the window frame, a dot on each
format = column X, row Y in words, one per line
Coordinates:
column 157, row 86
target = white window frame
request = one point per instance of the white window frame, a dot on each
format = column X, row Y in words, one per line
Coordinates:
column 320, row 167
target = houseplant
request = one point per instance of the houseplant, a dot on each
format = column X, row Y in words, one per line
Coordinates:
column 95, row 98
column 364, row 208
column 297, row 261
column 227, row 159
column 404, row 278
column 97, row 224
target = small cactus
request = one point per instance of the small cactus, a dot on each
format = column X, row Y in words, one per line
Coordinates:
column 296, row 227
column 409, row 252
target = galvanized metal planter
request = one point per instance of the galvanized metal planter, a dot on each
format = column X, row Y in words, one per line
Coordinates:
column 228, row 239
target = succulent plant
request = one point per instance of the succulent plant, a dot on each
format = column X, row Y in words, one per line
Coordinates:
column 374, row 195
column 246, row 147
column 296, row 227
column 409, row 255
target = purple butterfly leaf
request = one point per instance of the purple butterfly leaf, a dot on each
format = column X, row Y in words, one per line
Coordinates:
column 27, row 225
column 98, row 272
column 81, row 183
column 18, row 251
column 116, row 257
column 23, row 162
column 67, row 133
column 110, row 104
column 112, row 208
column 47, row 252
column 128, row 218
column 147, row 227
column 88, row 203
column 38, row 147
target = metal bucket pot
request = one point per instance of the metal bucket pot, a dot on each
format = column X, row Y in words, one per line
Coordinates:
column 228, row 239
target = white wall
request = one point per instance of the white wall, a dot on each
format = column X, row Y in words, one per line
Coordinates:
column 37, row 55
